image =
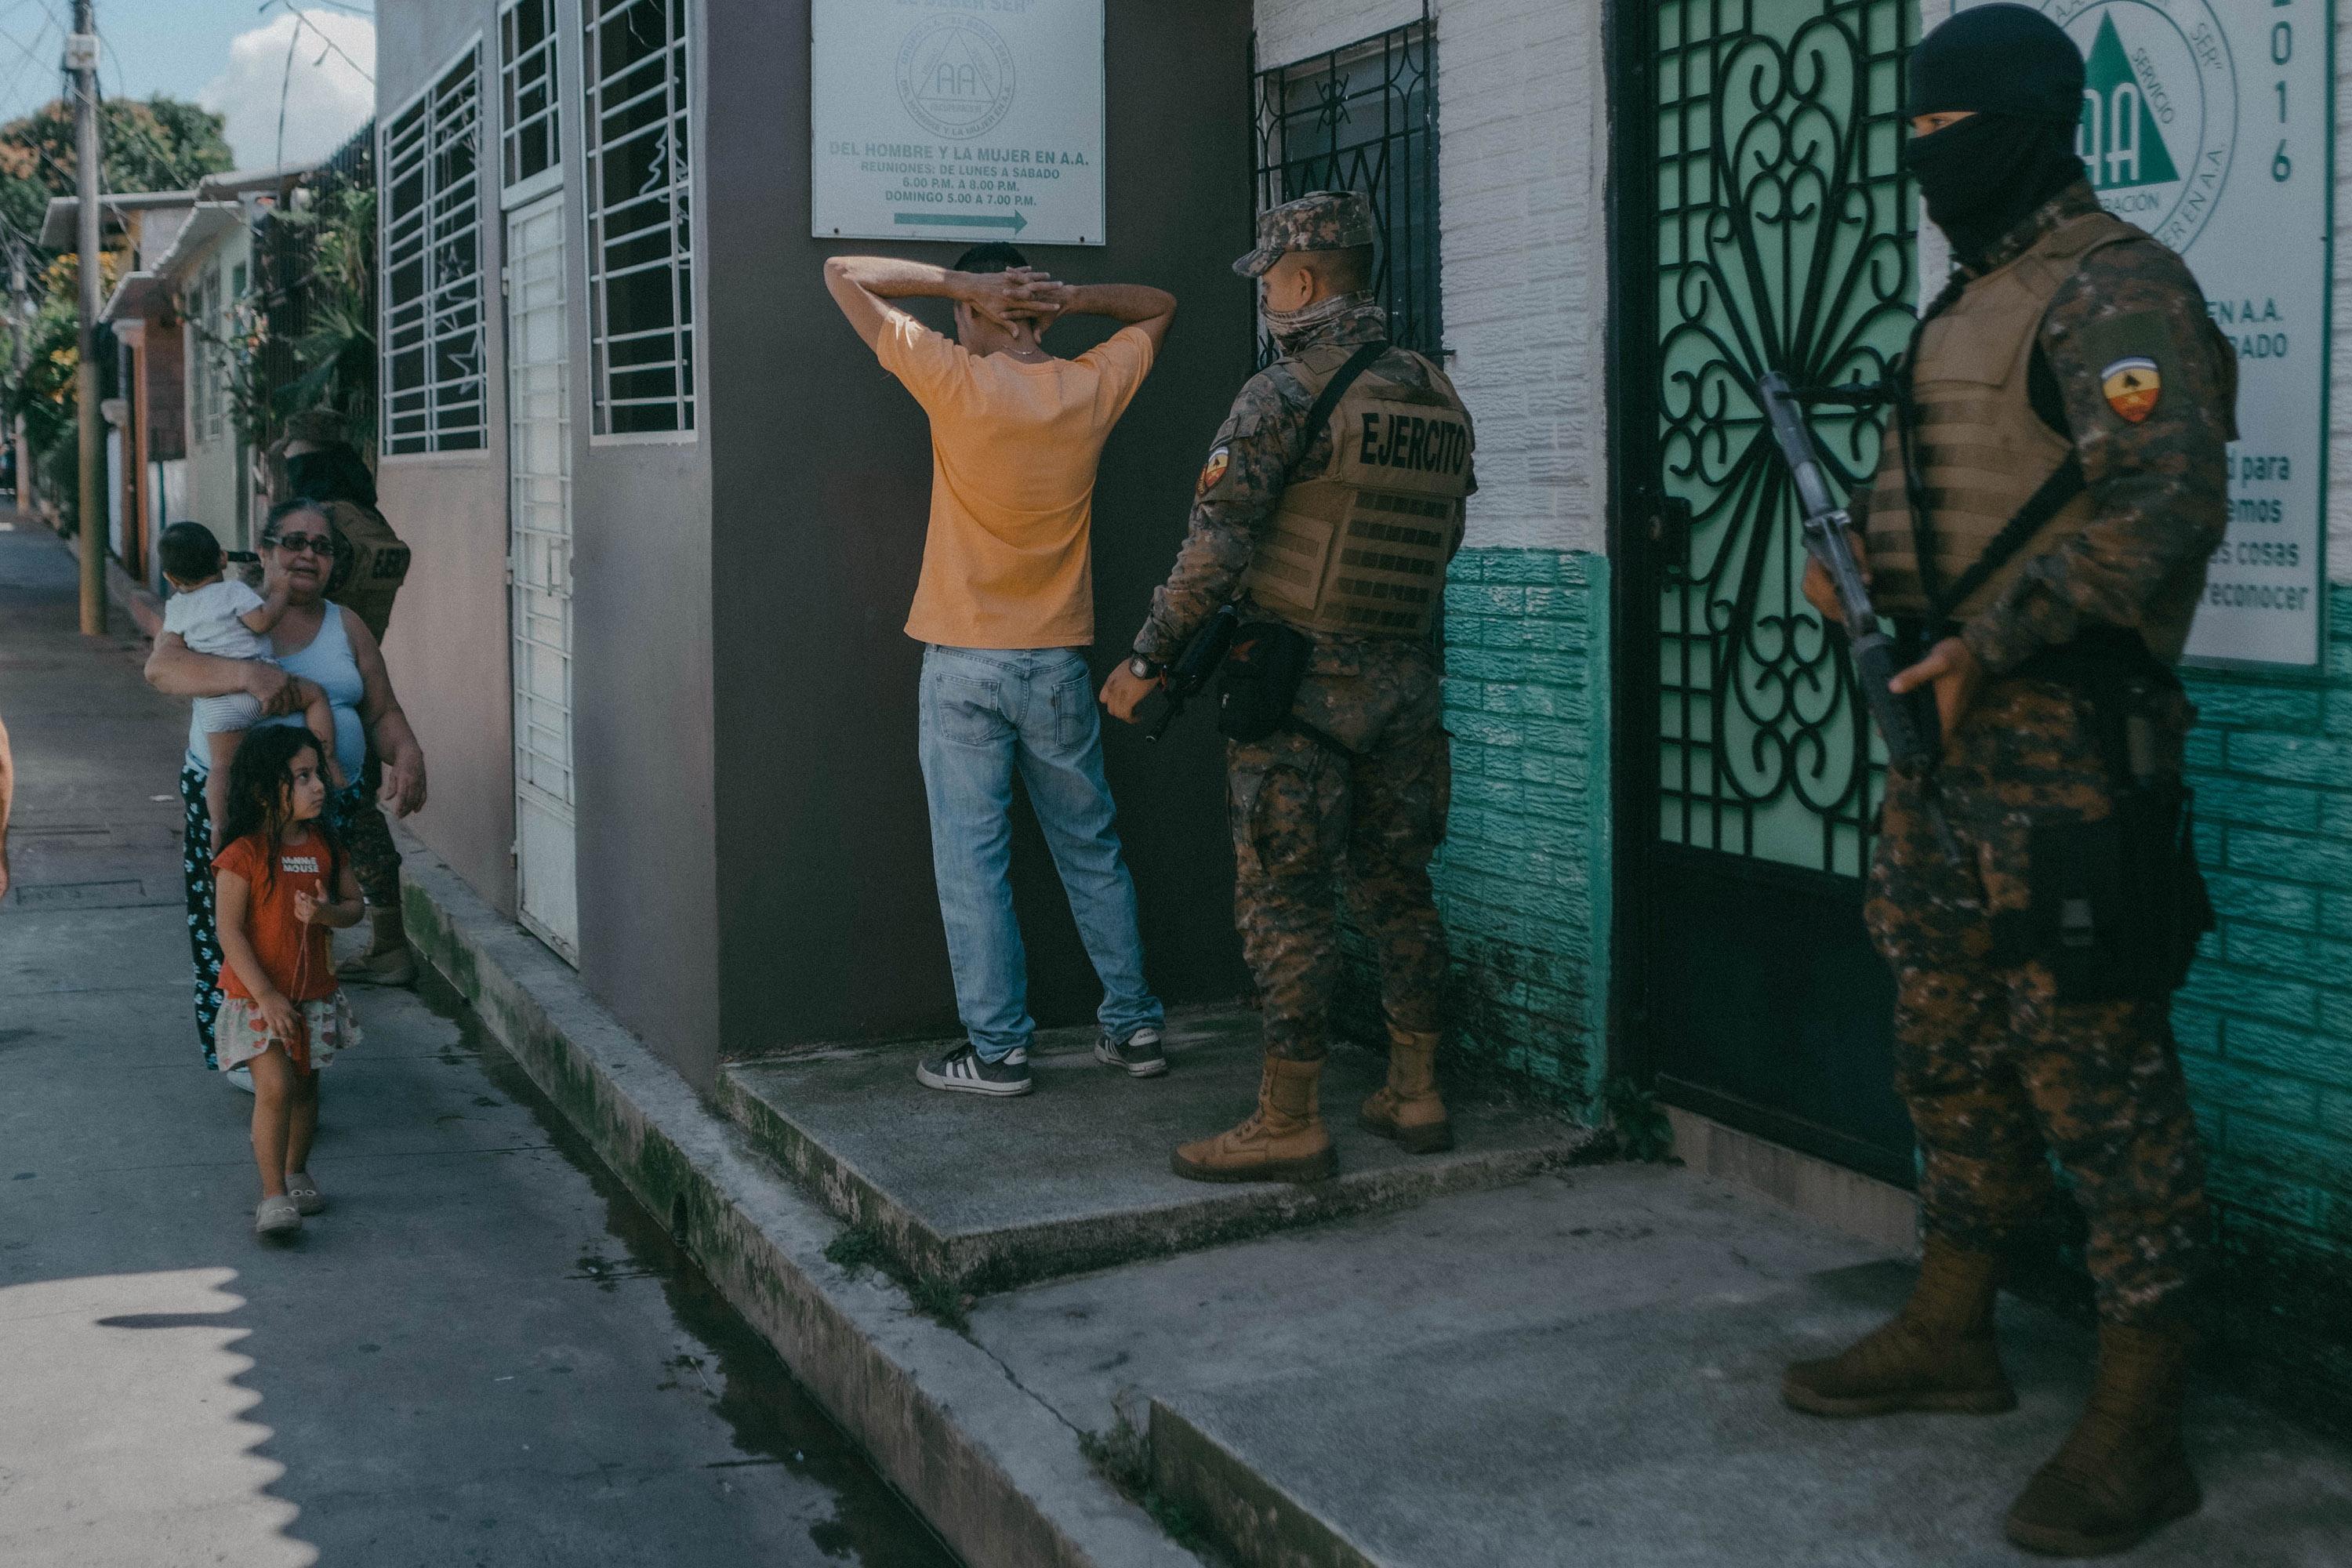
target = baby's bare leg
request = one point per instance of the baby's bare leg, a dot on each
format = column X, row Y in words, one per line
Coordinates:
column 222, row 744
column 319, row 718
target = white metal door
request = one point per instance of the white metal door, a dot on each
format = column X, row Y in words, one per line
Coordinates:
column 539, row 462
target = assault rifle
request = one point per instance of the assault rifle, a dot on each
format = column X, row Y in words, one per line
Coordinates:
column 1196, row 665
column 1907, row 722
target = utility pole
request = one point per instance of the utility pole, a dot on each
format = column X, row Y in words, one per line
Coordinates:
column 81, row 58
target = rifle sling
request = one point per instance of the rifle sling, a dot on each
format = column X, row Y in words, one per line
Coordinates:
column 1333, row 390
column 2056, row 493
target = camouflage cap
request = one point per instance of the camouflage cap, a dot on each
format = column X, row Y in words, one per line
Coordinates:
column 1319, row 220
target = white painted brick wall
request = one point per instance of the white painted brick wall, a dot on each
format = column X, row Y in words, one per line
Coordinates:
column 2339, row 390
column 1522, row 164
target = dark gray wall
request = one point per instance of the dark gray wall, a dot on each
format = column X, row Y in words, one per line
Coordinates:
column 642, row 739
column 829, row 926
column 447, row 646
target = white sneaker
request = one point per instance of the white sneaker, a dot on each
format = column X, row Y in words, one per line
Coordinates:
column 277, row 1216
column 241, row 1076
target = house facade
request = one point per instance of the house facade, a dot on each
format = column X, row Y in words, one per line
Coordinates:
column 710, row 505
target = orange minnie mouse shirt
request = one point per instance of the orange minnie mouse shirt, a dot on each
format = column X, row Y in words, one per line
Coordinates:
column 278, row 939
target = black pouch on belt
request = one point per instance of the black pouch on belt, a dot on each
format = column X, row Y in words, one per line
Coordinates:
column 2117, row 906
column 1260, row 683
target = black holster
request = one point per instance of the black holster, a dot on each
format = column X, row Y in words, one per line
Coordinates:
column 2117, row 906
column 1263, row 671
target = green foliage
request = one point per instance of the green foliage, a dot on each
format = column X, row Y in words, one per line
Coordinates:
column 1122, row 1457
column 155, row 144
column 43, row 396
column 1633, row 1122
column 934, row 1295
column 335, row 356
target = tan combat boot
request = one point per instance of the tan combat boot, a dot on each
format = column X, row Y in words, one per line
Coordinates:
column 1407, row 1109
column 2123, row 1470
column 1939, row 1353
column 1283, row 1140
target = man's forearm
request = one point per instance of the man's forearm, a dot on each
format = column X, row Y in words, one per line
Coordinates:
column 888, row 277
column 1126, row 303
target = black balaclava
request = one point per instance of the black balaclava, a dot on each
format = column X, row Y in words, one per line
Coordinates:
column 331, row 473
column 2022, row 78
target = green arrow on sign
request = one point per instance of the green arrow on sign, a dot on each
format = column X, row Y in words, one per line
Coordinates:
column 1014, row 222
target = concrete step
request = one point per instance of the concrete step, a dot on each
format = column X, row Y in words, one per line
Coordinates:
column 992, row 1193
column 1654, row 1435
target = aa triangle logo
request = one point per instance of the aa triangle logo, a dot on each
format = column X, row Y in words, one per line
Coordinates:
column 2117, row 137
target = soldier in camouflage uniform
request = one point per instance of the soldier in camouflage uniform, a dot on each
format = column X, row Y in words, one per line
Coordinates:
column 2068, row 336
column 1355, row 789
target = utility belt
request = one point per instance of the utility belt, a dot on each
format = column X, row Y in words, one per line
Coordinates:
column 1263, row 671
column 2117, row 906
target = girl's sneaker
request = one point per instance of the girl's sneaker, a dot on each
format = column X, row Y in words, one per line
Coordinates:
column 305, row 1193
column 964, row 1071
column 277, row 1216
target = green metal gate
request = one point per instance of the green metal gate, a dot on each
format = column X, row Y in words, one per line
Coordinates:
column 1764, row 225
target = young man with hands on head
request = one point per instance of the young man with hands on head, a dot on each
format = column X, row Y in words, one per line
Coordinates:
column 1004, row 608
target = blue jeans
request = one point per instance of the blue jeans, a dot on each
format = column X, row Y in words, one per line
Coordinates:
column 986, row 713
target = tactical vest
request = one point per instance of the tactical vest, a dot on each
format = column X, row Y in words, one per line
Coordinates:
column 1981, row 450
column 1362, row 548
column 370, row 564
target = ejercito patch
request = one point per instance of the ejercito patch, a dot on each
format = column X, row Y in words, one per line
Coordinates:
column 2132, row 385
column 1214, row 469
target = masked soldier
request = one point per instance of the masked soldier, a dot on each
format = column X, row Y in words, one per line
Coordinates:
column 313, row 462
column 1329, row 505
column 2042, row 514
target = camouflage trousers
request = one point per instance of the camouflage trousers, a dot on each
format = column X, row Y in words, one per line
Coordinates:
column 1308, row 821
column 1998, row 1075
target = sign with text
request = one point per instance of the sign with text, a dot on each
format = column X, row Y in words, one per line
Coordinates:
column 957, row 120
column 2207, row 123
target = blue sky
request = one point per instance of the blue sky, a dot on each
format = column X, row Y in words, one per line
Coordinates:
column 230, row 55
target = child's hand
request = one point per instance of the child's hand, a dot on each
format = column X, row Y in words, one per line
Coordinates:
column 306, row 907
column 285, row 1023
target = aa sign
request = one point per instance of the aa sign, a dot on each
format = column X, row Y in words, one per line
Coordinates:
column 2207, row 122
column 957, row 122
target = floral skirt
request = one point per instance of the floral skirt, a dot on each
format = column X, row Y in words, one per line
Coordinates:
column 242, row 1033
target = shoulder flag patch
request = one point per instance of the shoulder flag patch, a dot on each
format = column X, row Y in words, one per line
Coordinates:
column 1214, row 469
column 2132, row 385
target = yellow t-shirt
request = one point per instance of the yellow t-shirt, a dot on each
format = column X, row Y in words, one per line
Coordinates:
column 1008, row 562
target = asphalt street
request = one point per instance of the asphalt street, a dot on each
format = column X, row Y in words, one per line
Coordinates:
column 483, row 1352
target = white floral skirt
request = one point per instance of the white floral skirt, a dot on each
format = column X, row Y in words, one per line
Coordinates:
column 242, row 1031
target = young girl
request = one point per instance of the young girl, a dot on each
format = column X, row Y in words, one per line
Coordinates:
column 281, row 883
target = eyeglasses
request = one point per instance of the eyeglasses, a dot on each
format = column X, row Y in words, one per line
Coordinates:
column 295, row 543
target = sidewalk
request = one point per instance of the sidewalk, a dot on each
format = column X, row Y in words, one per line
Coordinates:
column 484, row 1352
column 1515, row 1362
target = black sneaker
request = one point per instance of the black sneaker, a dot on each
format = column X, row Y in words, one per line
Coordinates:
column 1139, row 1054
column 964, row 1071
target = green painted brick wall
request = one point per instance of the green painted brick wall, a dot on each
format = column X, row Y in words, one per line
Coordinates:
column 1523, row 877
column 2265, row 1023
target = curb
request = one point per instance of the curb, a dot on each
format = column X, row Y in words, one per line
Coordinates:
column 992, row 1468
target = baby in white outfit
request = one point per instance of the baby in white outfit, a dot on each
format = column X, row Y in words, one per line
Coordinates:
column 218, row 615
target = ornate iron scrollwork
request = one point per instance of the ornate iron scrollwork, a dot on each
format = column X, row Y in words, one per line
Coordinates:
column 1784, row 243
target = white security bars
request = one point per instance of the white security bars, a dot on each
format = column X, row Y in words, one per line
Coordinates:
column 640, row 245
column 532, row 124
column 432, row 287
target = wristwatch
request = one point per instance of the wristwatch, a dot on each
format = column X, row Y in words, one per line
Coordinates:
column 1144, row 668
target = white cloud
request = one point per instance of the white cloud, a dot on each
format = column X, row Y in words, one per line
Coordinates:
column 325, row 99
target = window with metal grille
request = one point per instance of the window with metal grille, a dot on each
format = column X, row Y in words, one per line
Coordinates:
column 1364, row 118
column 531, row 125
column 210, row 413
column 431, row 274
column 640, row 237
